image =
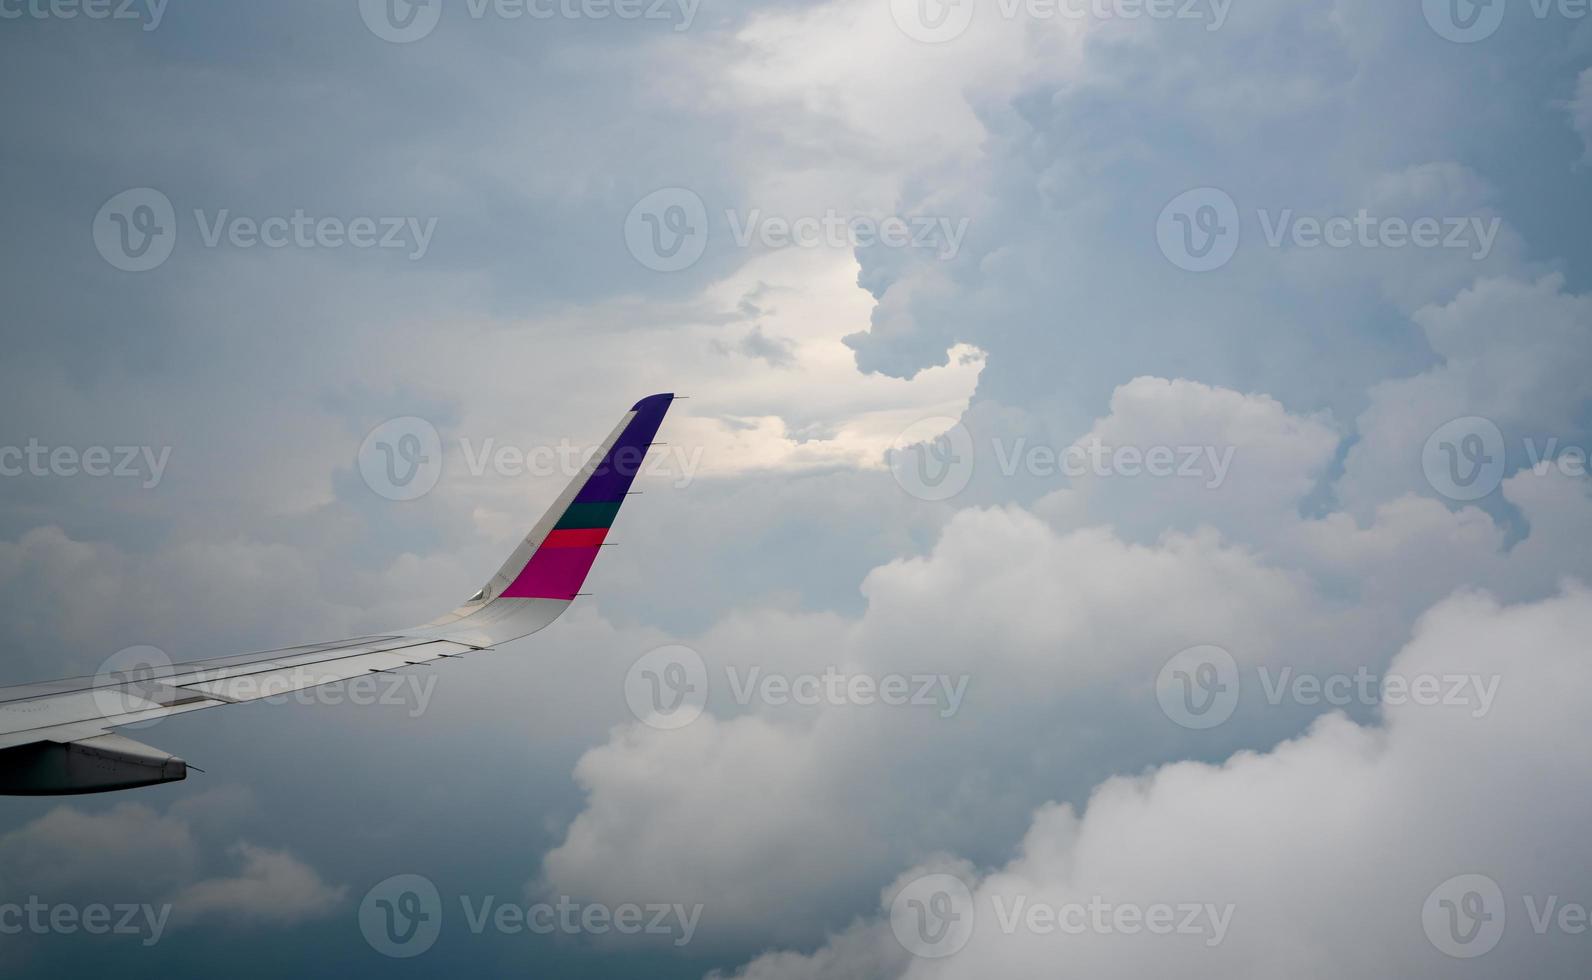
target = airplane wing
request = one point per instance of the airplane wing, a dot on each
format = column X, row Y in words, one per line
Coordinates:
column 58, row 738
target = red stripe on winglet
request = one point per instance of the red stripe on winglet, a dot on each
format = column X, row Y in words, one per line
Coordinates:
column 581, row 537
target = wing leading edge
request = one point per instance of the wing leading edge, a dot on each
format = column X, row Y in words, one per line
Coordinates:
column 56, row 738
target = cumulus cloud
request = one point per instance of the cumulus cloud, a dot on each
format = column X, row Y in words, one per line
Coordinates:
column 1513, row 352
column 1058, row 319
column 1234, row 462
column 272, row 888
column 1060, row 628
column 132, row 853
column 1325, row 849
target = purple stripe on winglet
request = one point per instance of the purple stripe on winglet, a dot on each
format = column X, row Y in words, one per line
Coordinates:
column 613, row 476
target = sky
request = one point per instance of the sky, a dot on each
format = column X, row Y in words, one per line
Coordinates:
column 1128, row 517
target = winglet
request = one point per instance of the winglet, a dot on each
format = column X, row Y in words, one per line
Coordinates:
column 545, row 572
column 567, row 550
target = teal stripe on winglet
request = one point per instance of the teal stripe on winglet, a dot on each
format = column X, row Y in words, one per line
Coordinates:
column 599, row 513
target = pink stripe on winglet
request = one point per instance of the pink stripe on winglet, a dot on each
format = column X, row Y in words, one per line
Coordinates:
column 552, row 573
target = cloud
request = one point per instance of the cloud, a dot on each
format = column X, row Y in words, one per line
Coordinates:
column 273, row 888
column 1058, row 142
column 1530, row 380
column 777, row 351
column 1238, row 463
column 132, row 853
column 1060, row 628
column 1327, row 847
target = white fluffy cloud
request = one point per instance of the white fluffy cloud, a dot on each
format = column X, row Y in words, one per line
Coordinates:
column 131, row 853
column 1326, row 848
column 1516, row 353
column 272, row 888
column 1320, row 549
column 1060, row 629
